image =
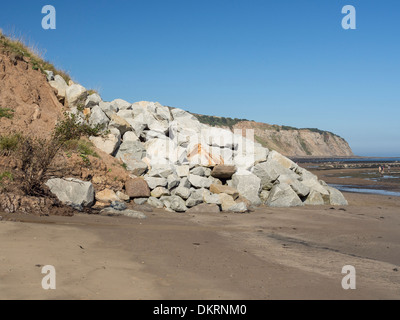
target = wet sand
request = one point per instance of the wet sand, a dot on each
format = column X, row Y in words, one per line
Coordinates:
column 295, row 253
column 362, row 178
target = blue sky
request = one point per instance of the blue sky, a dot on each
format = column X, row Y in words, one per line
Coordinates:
column 286, row 62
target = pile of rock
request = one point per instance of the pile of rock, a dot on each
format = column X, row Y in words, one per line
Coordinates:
column 182, row 165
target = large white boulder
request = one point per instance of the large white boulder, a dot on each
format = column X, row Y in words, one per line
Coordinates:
column 130, row 136
column 314, row 199
column 203, row 155
column 131, row 149
column 316, row 186
column 108, row 143
column 108, row 108
column 131, row 154
column 195, row 198
column 158, row 111
column 336, row 198
column 298, row 187
column 199, row 182
column 218, row 137
column 174, row 203
column 161, row 171
column 72, row 191
column 249, row 186
column 120, row 104
column 60, row 85
column 282, row 160
column 182, row 192
column 119, row 123
column 282, row 195
column 92, row 100
column 266, row 173
column 98, row 117
column 125, row 114
column 185, row 120
column 73, row 92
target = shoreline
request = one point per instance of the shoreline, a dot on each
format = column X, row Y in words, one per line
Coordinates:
column 360, row 178
column 324, row 158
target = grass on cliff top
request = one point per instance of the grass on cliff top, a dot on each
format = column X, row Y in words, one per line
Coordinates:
column 218, row 121
column 230, row 122
column 18, row 50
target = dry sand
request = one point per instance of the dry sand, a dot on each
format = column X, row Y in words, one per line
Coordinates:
column 295, row 253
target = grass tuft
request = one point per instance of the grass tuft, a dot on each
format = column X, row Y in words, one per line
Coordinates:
column 9, row 143
column 6, row 113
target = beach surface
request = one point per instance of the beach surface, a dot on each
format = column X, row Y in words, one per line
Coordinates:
column 295, row 253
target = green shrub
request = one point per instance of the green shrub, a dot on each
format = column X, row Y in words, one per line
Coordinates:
column 218, row 121
column 81, row 146
column 35, row 157
column 6, row 113
column 87, row 148
column 72, row 128
column 92, row 91
column 6, row 175
column 9, row 143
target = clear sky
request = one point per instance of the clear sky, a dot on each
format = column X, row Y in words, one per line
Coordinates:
column 286, row 62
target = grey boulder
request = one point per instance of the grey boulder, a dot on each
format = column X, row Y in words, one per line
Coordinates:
column 336, row 198
column 282, row 195
column 92, row 100
column 73, row 92
column 174, row 203
column 155, row 182
column 199, row 182
column 196, row 197
column 72, row 191
column 98, row 117
column 249, row 186
column 182, row 192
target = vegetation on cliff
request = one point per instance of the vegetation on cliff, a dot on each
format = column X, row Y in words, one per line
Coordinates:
column 17, row 49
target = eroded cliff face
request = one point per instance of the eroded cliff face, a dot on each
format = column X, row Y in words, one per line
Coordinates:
column 297, row 142
column 25, row 91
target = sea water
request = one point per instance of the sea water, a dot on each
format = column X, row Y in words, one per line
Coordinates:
column 346, row 188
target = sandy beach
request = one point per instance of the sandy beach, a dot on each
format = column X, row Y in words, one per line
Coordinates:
column 295, row 253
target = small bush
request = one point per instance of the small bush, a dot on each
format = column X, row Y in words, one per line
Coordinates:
column 72, row 128
column 5, row 176
column 86, row 148
column 6, row 113
column 83, row 148
column 35, row 156
column 92, row 91
column 9, row 143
